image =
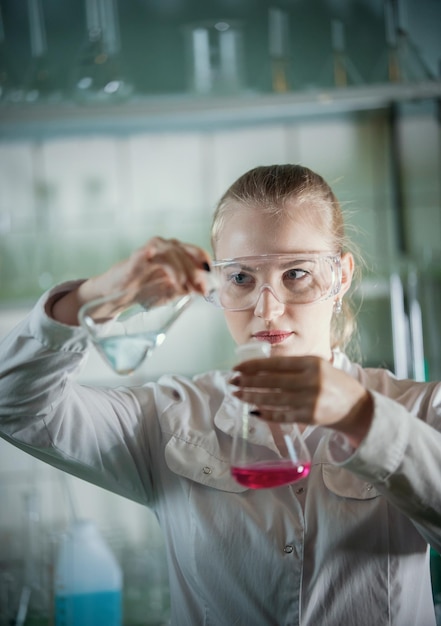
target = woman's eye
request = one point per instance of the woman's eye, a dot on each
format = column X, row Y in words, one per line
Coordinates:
column 240, row 278
column 295, row 273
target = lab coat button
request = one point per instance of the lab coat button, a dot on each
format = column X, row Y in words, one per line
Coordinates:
column 288, row 549
column 207, row 470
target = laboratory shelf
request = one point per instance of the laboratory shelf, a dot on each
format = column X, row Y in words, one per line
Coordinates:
column 182, row 111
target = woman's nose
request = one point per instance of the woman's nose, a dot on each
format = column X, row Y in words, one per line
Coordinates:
column 268, row 306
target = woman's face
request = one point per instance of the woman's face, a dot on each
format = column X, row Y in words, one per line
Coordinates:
column 292, row 329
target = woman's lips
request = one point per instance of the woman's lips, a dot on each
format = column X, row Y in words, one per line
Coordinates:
column 272, row 336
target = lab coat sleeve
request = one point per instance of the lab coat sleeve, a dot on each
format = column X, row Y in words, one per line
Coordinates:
column 401, row 456
column 95, row 434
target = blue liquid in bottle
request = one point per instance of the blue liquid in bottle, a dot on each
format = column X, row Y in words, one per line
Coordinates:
column 89, row 609
column 88, row 579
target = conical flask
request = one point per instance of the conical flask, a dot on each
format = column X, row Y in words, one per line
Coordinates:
column 126, row 337
column 97, row 75
column 38, row 83
column 266, row 454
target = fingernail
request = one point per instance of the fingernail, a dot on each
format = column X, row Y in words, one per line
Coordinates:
column 206, row 266
column 255, row 412
column 235, row 380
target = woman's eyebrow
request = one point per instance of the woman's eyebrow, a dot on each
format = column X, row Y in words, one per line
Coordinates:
column 236, row 265
column 246, row 268
column 280, row 261
column 295, row 259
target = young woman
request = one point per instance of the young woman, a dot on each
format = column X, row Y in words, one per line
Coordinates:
column 346, row 546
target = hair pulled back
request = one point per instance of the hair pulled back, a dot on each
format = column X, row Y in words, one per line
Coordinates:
column 268, row 189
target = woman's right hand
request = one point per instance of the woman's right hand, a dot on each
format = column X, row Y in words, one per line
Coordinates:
column 164, row 268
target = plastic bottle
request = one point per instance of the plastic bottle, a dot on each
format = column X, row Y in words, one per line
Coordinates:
column 88, row 579
column 435, row 571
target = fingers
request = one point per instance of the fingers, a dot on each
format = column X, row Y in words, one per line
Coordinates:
column 185, row 265
column 281, row 389
column 304, row 389
column 288, row 381
column 283, row 375
column 173, row 249
column 283, row 415
column 277, row 405
column 159, row 271
column 165, row 267
column 288, row 364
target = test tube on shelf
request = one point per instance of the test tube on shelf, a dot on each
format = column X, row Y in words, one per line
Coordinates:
column 107, row 14
column 278, row 40
column 393, row 65
column 37, row 29
column 338, row 53
column 404, row 62
column 343, row 69
column 214, row 56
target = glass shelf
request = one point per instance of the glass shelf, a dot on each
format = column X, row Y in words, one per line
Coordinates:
column 182, row 111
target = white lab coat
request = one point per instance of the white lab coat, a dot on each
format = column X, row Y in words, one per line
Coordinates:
column 348, row 546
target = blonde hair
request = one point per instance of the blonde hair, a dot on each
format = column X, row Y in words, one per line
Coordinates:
column 268, row 188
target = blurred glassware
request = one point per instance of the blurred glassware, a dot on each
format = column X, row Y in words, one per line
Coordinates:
column 88, row 579
column 97, row 75
column 344, row 70
column 38, row 83
column 402, row 61
column 339, row 70
column 278, row 40
column 214, row 57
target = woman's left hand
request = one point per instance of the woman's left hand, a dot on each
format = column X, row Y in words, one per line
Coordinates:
column 307, row 390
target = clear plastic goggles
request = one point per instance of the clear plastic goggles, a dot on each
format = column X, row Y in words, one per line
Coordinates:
column 297, row 278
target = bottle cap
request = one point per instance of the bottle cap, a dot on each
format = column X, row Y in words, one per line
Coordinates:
column 253, row 350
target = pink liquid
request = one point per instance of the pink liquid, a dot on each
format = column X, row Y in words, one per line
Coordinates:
column 267, row 474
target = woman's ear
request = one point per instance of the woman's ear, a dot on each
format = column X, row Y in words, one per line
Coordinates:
column 347, row 271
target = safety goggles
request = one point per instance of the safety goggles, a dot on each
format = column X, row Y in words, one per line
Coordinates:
column 297, row 278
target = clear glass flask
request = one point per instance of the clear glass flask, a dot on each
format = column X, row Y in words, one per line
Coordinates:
column 38, row 83
column 98, row 75
column 266, row 454
column 125, row 332
column 126, row 336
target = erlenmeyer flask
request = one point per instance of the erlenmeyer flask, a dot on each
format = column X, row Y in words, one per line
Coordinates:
column 97, row 75
column 38, row 83
column 266, row 454
column 125, row 337
column 278, row 38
